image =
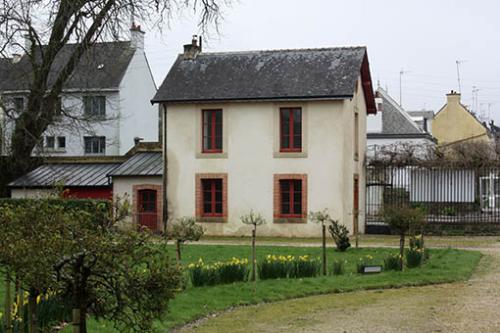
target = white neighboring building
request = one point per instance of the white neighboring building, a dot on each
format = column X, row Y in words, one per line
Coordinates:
column 281, row 132
column 111, row 88
column 392, row 126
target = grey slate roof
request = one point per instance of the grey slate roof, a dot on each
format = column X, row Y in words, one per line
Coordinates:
column 424, row 113
column 261, row 75
column 395, row 120
column 141, row 164
column 71, row 174
column 101, row 67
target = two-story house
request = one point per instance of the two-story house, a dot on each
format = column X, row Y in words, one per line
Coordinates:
column 281, row 132
column 104, row 104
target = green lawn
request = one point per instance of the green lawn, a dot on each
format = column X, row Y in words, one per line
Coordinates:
column 445, row 265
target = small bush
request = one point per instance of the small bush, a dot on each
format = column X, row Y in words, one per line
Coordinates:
column 413, row 257
column 392, row 262
column 281, row 267
column 338, row 267
column 340, row 235
column 416, row 242
column 232, row 271
column 235, row 270
column 305, row 267
column 203, row 275
column 275, row 267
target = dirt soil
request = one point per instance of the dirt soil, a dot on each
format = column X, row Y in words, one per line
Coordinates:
column 471, row 306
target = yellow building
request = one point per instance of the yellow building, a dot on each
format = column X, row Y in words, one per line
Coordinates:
column 455, row 124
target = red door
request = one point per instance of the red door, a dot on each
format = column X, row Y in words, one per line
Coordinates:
column 355, row 208
column 146, row 210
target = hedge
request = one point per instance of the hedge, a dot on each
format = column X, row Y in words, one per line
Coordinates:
column 98, row 208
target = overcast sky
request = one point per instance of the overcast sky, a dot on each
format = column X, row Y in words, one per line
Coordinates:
column 424, row 38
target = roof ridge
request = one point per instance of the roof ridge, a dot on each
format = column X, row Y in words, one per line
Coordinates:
column 284, row 50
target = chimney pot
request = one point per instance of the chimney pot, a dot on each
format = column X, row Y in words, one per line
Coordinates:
column 453, row 97
column 137, row 140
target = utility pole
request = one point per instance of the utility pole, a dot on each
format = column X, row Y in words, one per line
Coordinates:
column 401, row 73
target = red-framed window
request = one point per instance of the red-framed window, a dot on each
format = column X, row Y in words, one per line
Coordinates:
column 290, row 197
column 147, row 201
column 212, row 199
column 212, row 131
column 290, row 129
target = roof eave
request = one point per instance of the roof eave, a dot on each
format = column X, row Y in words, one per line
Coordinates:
column 252, row 99
column 371, row 107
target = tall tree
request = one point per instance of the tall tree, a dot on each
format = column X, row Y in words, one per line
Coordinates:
column 41, row 29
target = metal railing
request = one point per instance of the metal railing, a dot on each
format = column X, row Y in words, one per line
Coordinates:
column 447, row 195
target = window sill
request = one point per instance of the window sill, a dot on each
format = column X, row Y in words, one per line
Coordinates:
column 215, row 219
column 211, row 155
column 291, row 220
column 280, row 154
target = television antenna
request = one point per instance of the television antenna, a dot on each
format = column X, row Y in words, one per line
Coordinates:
column 401, row 73
column 459, row 62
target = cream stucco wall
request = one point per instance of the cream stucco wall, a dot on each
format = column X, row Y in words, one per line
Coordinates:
column 453, row 123
column 122, row 187
column 250, row 160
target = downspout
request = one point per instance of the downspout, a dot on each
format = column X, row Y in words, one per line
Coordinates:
column 165, row 172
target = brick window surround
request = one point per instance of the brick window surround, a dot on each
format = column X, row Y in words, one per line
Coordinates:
column 159, row 203
column 199, row 197
column 277, row 198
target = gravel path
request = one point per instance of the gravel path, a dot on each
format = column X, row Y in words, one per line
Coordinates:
column 470, row 306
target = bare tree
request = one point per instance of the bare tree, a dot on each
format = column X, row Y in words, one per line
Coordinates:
column 41, row 29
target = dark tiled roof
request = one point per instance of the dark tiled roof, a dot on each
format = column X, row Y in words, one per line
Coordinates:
column 141, row 164
column 257, row 75
column 71, row 174
column 101, row 67
column 395, row 120
column 5, row 66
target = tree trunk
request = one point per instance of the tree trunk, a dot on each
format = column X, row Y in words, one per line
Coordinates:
column 178, row 251
column 401, row 250
column 323, row 230
column 254, row 264
column 8, row 305
column 32, row 311
column 80, row 319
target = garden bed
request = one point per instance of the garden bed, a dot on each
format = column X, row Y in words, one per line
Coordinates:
column 444, row 265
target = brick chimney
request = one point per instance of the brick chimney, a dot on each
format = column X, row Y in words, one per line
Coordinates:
column 193, row 49
column 137, row 37
column 453, row 97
